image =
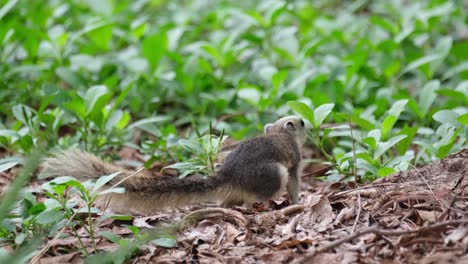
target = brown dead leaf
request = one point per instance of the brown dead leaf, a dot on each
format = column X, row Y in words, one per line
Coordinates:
column 322, row 215
column 150, row 221
column 280, row 256
column 428, row 216
column 207, row 231
column 72, row 258
column 335, row 258
column 294, row 243
column 456, row 235
column 232, row 233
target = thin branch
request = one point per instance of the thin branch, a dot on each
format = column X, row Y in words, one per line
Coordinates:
column 358, row 213
column 381, row 232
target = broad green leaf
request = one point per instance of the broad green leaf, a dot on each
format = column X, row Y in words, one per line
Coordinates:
column 303, row 110
column 154, row 47
column 383, row 147
column 371, row 142
column 77, row 107
column 463, row 119
column 387, row 126
column 278, row 78
column 149, row 120
column 422, row 61
column 165, row 242
column 382, row 172
column 427, row 96
column 398, row 107
column 321, row 112
column 446, row 116
column 363, row 164
column 93, row 98
column 104, row 7
column 7, row 166
column 103, row 180
column 110, row 236
column 23, row 113
column 37, row 209
column 49, row 216
column 406, row 143
column 19, row 239
column 101, row 36
column 251, row 95
column 7, row 7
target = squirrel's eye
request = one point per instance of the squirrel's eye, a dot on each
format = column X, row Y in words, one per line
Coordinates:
column 302, row 122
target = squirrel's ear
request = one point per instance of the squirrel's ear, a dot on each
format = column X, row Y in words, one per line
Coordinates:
column 267, row 128
column 289, row 126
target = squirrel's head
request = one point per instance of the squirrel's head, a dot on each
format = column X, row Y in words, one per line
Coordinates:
column 292, row 125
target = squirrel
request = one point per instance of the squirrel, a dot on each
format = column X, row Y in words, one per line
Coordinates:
column 257, row 169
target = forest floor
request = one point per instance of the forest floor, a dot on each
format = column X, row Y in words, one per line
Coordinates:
column 417, row 216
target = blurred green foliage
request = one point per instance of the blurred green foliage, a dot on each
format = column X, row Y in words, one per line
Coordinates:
column 384, row 85
column 88, row 73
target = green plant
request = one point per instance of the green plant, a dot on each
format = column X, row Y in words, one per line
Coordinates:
column 204, row 149
column 60, row 204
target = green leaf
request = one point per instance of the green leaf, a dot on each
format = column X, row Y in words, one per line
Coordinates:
column 19, row 239
column 94, row 98
column 387, row 126
column 251, row 95
column 37, row 209
column 405, row 144
column 165, row 242
column 421, row 61
column 23, row 114
column 150, row 120
column 382, row 147
column 463, row 119
column 398, row 107
column 49, row 216
column 77, row 107
column 427, row 96
column 321, row 112
column 154, row 48
column 382, row 172
column 7, row 8
column 101, row 36
column 103, row 180
column 303, row 110
column 446, row 116
column 7, row 166
column 110, row 236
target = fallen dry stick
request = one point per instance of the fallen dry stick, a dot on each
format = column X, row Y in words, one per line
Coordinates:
column 380, row 232
column 229, row 214
column 272, row 218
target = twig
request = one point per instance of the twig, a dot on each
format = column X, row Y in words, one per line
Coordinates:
column 201, row 214
column 316, row 171
column 428, row 186
column 126, row 178
column 447, row 207
column 354, row 152
column 416, row 197
column 358, row 214
column 381, row 232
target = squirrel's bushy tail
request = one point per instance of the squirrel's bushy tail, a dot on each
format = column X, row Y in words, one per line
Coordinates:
column 145, row 193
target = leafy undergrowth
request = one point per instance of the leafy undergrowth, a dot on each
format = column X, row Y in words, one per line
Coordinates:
column 413, row 216
column 157, row 83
